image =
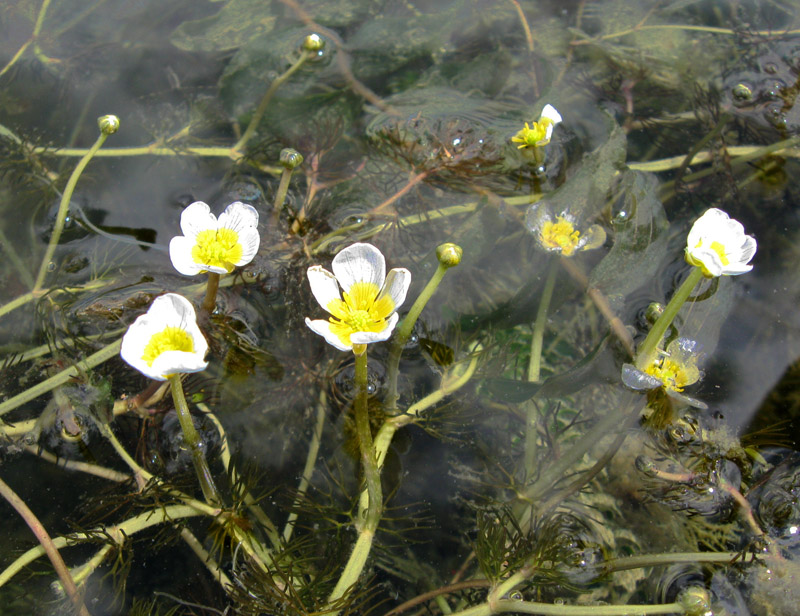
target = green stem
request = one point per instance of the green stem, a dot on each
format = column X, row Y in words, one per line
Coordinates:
column 63, row 208
column 534, row 368
column 448, row 255
column 15, row 303
column 369, row 518
column 311, row 460
column 649, row 348
column 192, row 439
column 262, row 107
column 210, row 300
column 62, row 377
column 283, row 188
column 40, row 532
column 547, row 609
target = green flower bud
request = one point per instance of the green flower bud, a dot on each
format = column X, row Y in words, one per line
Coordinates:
column 313, row 43
column 449, row 254
column 108, row 124
column 291, row 159
column 695, row 601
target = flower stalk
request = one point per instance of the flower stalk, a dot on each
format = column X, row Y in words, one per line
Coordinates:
column 192, row 440
column 449, row 255
column 108, row 126
column 210, row 299
column 649, row 348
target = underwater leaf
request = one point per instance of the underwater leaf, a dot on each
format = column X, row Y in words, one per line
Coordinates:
column 237, row 22
column 584, row 194
column 640, row 241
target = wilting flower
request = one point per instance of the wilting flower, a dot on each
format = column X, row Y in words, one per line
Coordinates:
column 165, row 340
column 672, row 370
column 215, row 245
column 560, row 233
column 539, row 134
column 717, row 244
column 365, row 310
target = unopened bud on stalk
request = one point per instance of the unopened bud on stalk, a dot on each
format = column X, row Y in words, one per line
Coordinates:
column 695, row 601
column 108, row 124
column 291, row 159
column 313, row 43
column 449, row 254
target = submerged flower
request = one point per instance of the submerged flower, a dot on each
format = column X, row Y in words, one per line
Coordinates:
column 215, row 245
column 365, row 310
column 165, row 340
column 539, row 134
column 673, row 370
column 560, row 233
column 717, row 244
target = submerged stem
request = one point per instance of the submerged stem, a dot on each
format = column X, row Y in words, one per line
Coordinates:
column 63, row 208
column 262, row 106
column 534, row 368
column 648, row 349
column 192, row 440
column 40, row 532
column 369, row 518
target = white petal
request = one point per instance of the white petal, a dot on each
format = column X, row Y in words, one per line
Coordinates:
column 249, row 238
column 636, row 379
column 172, row 310
column 180, row 253
column 687, row 400
column 197, row 217
column 370, row 337
column 323, row 328
column 359, row 263
column 323, row 285
column 176, row 362
column 396, row 285
column 538, row 214
column 134, row 342
column 238, row 216
column 551, row 114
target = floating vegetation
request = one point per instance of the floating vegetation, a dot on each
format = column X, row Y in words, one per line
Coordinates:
column 493, row 309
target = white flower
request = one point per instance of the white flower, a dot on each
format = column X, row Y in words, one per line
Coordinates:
column 540, row 133
column 717, row 244
column 561, row 233
column 215, row 245
column 671, row 370
column 365, row 311
column 165, row 340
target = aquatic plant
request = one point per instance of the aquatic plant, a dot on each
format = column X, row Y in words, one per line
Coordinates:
column 511, row 426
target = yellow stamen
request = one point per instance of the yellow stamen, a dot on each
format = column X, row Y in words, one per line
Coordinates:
column 170, row 339
column 360, row 310
column 560, row 235
column 530, row 137
column 218, row 248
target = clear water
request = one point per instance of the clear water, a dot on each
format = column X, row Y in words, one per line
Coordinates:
column 404, row 119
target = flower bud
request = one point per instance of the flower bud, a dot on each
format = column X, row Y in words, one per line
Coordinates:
column 695, row 601
column 313, row 43
column 291, row 159
column 108, row 124
column 449, row 254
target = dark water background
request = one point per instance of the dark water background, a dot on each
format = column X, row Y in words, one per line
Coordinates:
column 404, row 119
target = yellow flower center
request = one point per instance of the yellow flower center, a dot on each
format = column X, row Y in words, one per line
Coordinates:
column 170, row 339
column 529, row 137
column 560, row 235
column 360, row 310
column 218, row 248
column 716, row 247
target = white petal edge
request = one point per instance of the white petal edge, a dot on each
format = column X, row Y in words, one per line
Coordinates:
column 323, row 328
column 551, row 114
column 238, row 216
column 176, row 362
column 250, row 239
column 359, row 263
column 323, row 285
column 370, row 337
column 396, row 285
column 180, row 253
column 197, row 217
